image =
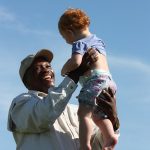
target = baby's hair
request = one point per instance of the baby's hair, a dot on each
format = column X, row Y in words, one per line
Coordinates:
column 73, row 19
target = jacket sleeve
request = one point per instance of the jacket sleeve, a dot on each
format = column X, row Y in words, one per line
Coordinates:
column 30, row 114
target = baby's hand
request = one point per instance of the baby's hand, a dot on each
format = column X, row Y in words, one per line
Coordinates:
column 63, row 72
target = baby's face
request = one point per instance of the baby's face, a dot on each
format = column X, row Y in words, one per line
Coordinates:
column 68, row 36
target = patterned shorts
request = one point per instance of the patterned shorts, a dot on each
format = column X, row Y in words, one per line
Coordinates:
column 93, row 87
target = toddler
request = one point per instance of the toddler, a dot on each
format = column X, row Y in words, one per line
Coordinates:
column 74, row 27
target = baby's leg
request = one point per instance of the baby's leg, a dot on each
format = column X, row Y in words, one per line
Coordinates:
column 85, row 126
column 106, row 127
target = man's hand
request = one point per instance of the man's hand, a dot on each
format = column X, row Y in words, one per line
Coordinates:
column 106, row 102
column 88, row 58
column 93, row 55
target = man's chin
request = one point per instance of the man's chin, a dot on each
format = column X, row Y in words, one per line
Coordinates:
column 50, row 83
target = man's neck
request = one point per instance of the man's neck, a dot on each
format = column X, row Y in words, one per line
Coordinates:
column 44, row 90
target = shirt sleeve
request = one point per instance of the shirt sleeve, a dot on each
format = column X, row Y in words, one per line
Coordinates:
column 79, row 47
column 30, row 114
column 100, row 46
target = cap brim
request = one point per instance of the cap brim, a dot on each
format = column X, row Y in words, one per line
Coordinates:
column 44, row 53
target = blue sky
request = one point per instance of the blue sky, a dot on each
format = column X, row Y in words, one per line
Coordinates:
column 27, row 26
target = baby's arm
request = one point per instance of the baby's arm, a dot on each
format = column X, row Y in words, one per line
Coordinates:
column 73, row 63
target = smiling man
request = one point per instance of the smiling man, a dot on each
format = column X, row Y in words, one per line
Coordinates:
column 42, row 119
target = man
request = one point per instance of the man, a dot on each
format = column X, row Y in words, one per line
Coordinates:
column 42, row 119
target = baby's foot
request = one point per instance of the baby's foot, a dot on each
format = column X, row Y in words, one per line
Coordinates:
column 110, row 143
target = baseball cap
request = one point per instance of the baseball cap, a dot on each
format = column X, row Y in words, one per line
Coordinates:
column 27, row 61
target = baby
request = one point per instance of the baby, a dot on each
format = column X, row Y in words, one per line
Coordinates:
column 74, row 27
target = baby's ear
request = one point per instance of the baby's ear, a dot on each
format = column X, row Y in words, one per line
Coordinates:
column 70, row 32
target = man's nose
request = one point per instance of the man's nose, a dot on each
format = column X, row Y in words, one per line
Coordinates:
column 45, row 68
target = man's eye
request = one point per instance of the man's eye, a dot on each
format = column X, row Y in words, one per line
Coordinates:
column 48, row 66
column 37, row 68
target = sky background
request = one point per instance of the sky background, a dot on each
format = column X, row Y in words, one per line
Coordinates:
column 124, row 25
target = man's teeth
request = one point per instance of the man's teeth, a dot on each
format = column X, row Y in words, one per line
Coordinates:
column 48, row 76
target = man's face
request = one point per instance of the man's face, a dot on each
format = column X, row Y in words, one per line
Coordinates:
column 43, row 75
